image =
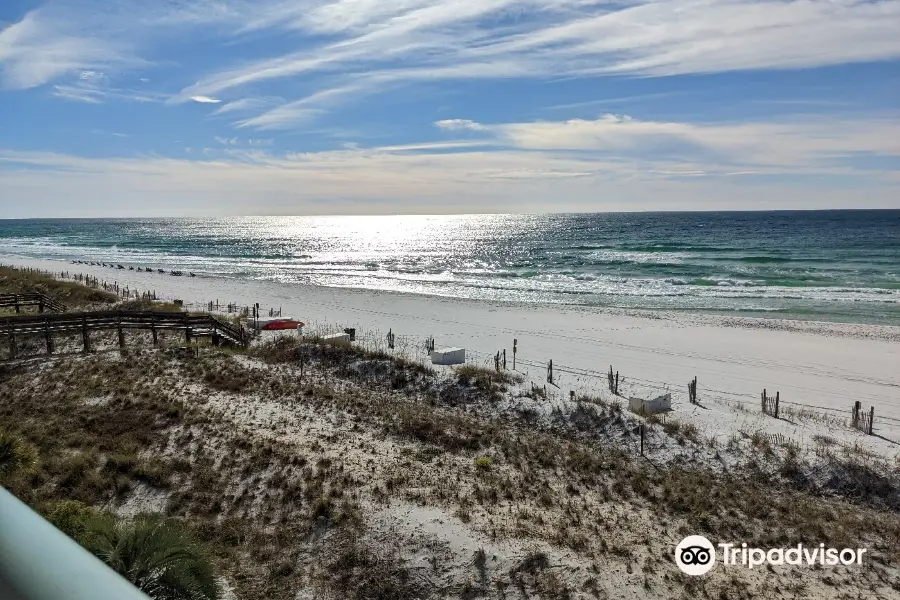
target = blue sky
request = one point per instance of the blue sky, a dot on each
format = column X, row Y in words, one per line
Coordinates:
column 211, row 107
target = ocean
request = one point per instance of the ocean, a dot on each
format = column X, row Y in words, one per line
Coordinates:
column 824, row 265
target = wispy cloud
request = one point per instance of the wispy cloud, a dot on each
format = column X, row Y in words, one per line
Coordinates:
column 800, row 144
column 414, row 40
column 95, row 87
column 460, row 124
column 37, row 50
column 205, row 100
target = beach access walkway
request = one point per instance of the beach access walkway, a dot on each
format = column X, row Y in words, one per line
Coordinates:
column 49, row 325
column 42, row 302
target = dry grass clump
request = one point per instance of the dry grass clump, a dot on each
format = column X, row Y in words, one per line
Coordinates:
column 73, row 295
column 486, row 380
column 354, row 568
column 143, row 304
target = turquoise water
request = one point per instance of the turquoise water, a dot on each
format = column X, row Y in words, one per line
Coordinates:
column 829, row 265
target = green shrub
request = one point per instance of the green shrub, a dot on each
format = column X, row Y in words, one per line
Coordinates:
column 16, row 456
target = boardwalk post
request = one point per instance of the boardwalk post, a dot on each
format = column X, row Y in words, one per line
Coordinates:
column 120, row 331
column 187, row 329
column 871, row 419
column 777, row 399
column 17, row 304
column 153, row 330
column 41, row 305
column 49, row 337
column 85, row 338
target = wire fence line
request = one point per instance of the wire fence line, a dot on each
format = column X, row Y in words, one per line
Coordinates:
column 414, row 348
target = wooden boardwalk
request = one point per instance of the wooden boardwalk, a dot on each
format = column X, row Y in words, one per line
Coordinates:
column 48, row 325
column 18, row 301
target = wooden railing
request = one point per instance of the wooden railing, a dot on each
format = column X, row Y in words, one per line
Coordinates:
column 85, row 322
column 31, row 299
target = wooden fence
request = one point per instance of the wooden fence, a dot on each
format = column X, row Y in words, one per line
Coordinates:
column 18, row 301
column 770, row 404
column 86, row 322
column 861, row 419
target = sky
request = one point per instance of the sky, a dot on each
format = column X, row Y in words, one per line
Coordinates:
column 268, row 107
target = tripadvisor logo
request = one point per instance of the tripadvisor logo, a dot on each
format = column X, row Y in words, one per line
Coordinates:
column 696, row 555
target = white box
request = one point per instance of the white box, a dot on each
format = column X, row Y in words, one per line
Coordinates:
column 336, row 338
column 448, row 356
column 651, row 407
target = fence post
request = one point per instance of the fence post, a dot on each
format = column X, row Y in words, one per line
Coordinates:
column 41, row 305
column 85, row 337
column 550, row 371
column 856, row 408
column 777, row 398
column 515, row 341
column 187, row 329
column 153, row 331
column 763, row 403
column 642, row 439
column 49, row 337
column 120, row 331
column 504, row 359
column 871, row 419
column 617, row 383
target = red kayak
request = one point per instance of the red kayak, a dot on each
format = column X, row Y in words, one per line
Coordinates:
column 278, row 324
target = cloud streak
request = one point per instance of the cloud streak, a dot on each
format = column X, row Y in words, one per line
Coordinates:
column 37, row 50
column 801, row 144
column 415, row 40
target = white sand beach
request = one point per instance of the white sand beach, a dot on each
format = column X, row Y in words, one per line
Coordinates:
column 819, row 369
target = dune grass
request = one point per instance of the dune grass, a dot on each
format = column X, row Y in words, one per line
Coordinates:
column 74, row 295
